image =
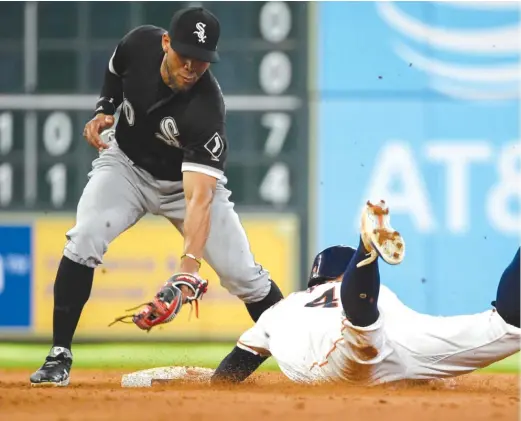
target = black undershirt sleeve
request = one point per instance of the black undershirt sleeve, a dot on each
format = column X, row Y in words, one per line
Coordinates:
column 237, row 366
column 111, row 95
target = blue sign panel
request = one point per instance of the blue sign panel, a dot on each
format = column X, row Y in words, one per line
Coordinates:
column 15, row 276
column 419, row 105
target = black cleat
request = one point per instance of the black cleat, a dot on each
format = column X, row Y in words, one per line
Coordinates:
column 55, row 371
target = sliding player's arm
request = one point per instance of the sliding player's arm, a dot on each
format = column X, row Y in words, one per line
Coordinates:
column 237, row 366
column 251, row 351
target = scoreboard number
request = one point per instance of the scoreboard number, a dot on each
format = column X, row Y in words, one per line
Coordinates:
column 275, row 77
column 6, row 184
column 57, row 134
column 275, row 73
column 6, row 170
column 57, row 179
column 57, row 140
column 6, row 133
column 275, row 186
column 275, row 21
column 279, row 125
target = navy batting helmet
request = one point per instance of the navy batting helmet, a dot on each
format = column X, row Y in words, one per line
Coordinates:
column 329, row 264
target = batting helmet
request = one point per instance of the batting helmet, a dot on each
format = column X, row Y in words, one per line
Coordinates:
column 329, row 264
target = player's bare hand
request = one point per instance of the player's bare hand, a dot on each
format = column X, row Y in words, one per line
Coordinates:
column 93, row 129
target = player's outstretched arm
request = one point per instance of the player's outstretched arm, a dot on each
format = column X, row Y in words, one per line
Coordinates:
column 252, row 349
column 199, row 190
column 237, row 366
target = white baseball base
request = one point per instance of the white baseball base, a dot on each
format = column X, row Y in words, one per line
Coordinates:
column 145, row 378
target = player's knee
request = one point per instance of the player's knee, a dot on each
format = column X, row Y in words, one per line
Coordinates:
column 86, row 244
column 247, row 290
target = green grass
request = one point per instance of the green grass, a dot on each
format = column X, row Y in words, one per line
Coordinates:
column 147, row 355
column 511, row 364
column 115, row 356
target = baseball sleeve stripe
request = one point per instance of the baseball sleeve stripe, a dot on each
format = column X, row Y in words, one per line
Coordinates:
column 246, row 348
column 111, row 64
column 204, row 169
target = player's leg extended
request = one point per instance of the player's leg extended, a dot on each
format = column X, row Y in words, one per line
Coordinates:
column 364, row 344
column 228, row 252
column 110, row 204
column 451, row 346
column 360, row 288
column 361, row 280
column 507, row 298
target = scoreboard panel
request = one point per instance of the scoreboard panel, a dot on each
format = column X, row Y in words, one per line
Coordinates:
column 52, row 60
column 44, row 159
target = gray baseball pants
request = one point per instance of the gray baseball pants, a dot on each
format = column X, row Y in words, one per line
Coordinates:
column 118, row 194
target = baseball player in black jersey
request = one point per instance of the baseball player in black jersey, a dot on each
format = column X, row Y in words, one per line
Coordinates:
column 167, row 158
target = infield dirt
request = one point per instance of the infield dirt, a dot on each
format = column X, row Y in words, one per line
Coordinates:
column 97, row 395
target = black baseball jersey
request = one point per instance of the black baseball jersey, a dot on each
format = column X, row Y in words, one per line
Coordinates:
column 162, row 131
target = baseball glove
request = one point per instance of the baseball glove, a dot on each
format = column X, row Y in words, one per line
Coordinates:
column 167, row 303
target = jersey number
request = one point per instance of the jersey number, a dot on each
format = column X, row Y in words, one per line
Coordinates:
column 326, row 300
column 129, row 112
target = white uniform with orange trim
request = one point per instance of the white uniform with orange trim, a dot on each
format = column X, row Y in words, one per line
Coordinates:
column 311, row 340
